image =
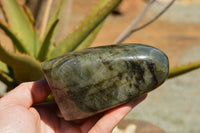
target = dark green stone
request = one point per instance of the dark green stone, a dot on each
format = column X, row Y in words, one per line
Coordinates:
column 96, row 79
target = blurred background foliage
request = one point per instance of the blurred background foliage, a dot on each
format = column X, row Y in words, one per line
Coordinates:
column 176, row 33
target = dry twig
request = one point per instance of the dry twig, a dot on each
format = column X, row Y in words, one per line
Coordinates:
column 131, row 28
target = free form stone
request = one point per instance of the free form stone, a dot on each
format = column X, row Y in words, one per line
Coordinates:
column 93, row 80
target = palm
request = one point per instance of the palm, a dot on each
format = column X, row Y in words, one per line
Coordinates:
column 50, row 123
column 18, row 114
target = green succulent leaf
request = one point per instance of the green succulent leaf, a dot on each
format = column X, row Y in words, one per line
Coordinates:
column 20, row 24
column 49, row 99
column 16, row 41
column 4, row 77
column 46, row 43
column 96, row 16
column 89, row 40
column 25, row 67
column 29, row 15
column 7, row 80
column 182, row 69
column 3, row 67
column 54, row 17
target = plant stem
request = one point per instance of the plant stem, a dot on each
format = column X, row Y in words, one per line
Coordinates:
column 146, row 24
column 45, row 19
column 179, row 70
column 133, row 24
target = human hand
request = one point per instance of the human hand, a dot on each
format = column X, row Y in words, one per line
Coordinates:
column 19, row 115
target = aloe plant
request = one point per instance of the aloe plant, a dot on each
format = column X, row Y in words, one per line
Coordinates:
column 30, row 49
column 24, row 63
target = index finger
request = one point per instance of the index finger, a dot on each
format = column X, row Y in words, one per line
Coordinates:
column 28, row 93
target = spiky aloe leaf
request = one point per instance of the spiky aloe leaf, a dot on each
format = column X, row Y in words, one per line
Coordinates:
column 16, row 41
column 54, row 17
column 46, row 43
column 29, row 14
column 3, row 67
column 25, row 67
column 4, row 77
column 7, row 80
column 20, row 24
column 96, row 16
column 179, row 70
column 88, row 41
column 56, row 14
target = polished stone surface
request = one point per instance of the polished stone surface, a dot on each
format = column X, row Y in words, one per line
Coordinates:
column 96, row 79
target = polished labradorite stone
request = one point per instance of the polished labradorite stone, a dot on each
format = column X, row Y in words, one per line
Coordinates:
column 95, row 79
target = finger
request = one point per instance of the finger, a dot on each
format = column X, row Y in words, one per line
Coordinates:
column 26, row 94
column 48, row 114
column 107, row 123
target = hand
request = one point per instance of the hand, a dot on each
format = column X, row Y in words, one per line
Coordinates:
column 17, row 113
